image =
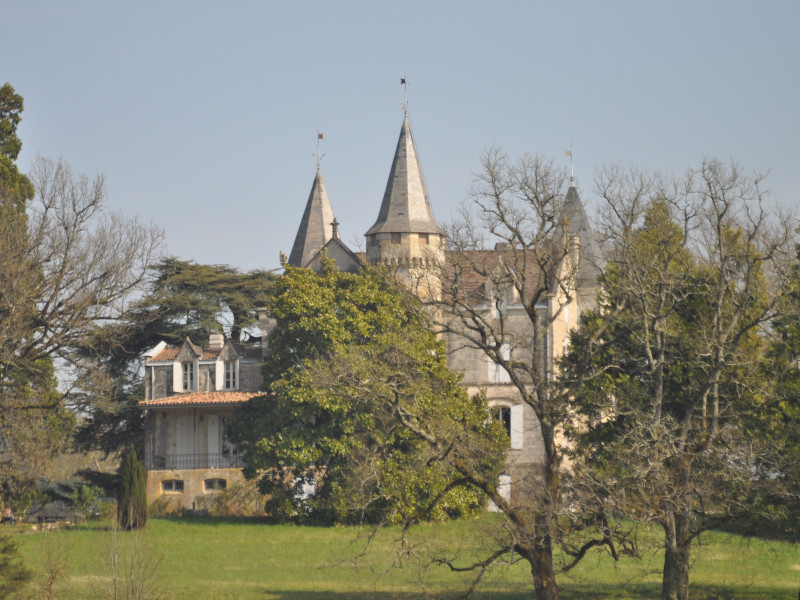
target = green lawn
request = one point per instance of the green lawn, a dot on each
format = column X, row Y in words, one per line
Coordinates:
column 238, row 559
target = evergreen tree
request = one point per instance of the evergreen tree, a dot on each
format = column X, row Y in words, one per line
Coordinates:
column 678, row 412
column 132, row 497
column 360, row 403
column 183, row 300
column 13, row 574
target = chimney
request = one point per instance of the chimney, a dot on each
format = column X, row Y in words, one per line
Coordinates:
column 216, row 340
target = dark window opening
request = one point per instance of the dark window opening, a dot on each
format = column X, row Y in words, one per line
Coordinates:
column 213, row 485
column 172, row 485
column 503, row 414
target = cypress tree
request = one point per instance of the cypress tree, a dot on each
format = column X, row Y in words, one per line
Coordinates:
column 132, row 499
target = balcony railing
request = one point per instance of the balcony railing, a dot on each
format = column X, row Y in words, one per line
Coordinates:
column 197, row 461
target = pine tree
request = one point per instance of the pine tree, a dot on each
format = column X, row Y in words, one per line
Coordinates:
column 132, row 499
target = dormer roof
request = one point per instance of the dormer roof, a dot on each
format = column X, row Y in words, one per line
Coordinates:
column 316, row 226
column 406, row 207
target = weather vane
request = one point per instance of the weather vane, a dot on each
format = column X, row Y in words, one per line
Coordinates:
column 571, row 163
column 317, row 157
column 404, row 83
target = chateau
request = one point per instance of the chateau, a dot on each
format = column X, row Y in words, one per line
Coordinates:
column 191, row 390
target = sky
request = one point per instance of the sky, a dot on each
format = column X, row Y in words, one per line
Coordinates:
column 203, row 116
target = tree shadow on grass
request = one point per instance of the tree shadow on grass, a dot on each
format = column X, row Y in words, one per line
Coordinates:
column 643, row 591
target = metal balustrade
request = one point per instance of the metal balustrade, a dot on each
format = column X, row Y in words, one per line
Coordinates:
column 197, row 461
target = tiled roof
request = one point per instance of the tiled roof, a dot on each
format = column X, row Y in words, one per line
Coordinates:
column 167, row 354
column 170, row 353
column 201, row 399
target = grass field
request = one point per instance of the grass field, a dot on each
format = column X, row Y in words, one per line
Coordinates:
column 240, row 559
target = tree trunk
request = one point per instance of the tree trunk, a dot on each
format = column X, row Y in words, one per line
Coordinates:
column 544, row 577
column 675, row 582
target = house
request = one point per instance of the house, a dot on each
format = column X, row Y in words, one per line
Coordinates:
column 192, row 390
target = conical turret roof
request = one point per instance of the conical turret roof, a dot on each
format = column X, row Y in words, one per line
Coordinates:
column 577, row 223
column 316, row 227
column 405, row 207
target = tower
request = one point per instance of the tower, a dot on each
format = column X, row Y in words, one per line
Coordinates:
column 405, row 236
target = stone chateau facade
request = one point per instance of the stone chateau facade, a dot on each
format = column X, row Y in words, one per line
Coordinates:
column 192, row 390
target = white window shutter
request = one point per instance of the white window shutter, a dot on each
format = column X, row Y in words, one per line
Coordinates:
column 219, row 375
column 236, row 375
column 516, row 427
column 177, row 377
column 196, row 378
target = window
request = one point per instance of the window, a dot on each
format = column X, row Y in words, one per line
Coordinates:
column 423, row 238
column 511, row 418
column 188, row 376
column 503, row 414
column 230, row 375
column 215, row 485
column 172, row 485
column 395, row 238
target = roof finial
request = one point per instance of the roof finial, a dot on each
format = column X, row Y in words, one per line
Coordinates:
column 335, row 227
column 317, row 157
column 404, row 83
column 571, row 165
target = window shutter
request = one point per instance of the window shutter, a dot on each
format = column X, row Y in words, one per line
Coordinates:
column 516, row 427
column 219, row 375
column 196, row 378
column 236, row 375
column 177, row 377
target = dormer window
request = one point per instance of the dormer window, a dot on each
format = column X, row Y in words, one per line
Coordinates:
column 188, row 376
column 395, row 238
column 230, row 375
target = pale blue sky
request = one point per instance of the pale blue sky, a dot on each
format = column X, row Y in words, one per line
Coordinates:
column 203, row 115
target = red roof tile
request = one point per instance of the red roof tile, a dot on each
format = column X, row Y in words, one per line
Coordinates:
column 201, row 398
column 168, row 353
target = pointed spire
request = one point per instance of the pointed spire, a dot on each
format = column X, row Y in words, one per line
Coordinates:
column 577, row 224
column 316, row 227
column 405, row 207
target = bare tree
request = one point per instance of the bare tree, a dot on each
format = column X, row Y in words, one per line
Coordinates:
column 520, row 263
column 698, row 269
column 73, row 265
column 65, row 266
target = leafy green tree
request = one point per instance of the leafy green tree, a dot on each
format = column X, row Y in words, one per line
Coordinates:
column 183, row 299
column 360, row 403
column 132, row 496
column 11, row 106
column 673, row 427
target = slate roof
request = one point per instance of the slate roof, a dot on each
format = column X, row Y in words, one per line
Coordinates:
column 315, row 227
column 201, row 399
column 406, row 207
column 578, row 224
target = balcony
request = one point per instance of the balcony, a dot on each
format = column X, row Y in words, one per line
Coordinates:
column 197, row 461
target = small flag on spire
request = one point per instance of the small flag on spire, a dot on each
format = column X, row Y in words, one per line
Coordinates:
column 568, row 153
column 402, row 81
column 319, row 136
